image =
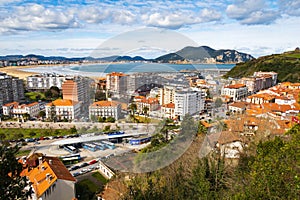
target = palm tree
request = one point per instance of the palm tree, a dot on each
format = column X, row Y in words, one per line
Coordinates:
column 132, row 107
column 145, row 111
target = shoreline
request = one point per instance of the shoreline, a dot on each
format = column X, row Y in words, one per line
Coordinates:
column 23, row 72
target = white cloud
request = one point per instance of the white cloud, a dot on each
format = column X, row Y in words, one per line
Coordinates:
column 290, row 7
column 252, row 12
column 177, row 20
column 37, row 17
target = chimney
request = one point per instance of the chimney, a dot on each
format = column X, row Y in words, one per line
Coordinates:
column 48, row 176
column 40, row 160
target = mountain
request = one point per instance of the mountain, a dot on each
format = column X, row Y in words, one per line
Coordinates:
column 287, row 65
column 205, row 54
column 202, row 54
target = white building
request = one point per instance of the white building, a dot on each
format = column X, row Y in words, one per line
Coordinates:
column 63, row 109
column 273, row 74
column 15, row 109
column 105, row 109
column 45, row 81
column 168, row 110
column 187, row 102
column 236, row 92
column 167, row 94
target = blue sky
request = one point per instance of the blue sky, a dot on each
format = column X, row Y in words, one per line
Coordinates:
column 76, row 27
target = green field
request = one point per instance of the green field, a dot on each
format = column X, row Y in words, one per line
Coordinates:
column 35, row 96
column 23, row 153
column 18, row 133
column 99, row 177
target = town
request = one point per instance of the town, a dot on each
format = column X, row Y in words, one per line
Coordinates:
column 116, row 115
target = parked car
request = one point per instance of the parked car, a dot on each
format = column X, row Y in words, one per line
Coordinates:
column 75, row 174
column 83, row 165
column 74, row 167
column 92, row 162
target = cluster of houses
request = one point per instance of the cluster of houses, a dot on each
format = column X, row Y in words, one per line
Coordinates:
column 264, row 113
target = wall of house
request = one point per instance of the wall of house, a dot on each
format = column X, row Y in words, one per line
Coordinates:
column 62, row 189
column 231, row 150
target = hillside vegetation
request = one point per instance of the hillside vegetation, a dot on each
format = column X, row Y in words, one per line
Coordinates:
column 287, row 65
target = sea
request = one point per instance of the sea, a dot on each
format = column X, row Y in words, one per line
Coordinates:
column 102, row 69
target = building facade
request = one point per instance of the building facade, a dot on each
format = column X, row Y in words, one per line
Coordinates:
column 17, row 110
column 116, row 83
column 236, row 92
column 61, row 109
column 49, row 178
column 168, row 111
column 45, row 81
column 105, row 109
column 11, row 89
column 187, row 102
column 78, row 89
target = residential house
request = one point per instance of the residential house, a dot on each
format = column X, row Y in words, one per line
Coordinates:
column 49, row 178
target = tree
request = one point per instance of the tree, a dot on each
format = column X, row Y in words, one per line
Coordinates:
column 26, row 116
column 11, row 183
column 42, row 114
column 110, row 119
column 202, row 128
column 73, row 130
column 218, row 102
column 100, row 96
column 132, row 109
column 273, row 173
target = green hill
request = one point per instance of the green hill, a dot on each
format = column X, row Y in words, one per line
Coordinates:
column 287, row 65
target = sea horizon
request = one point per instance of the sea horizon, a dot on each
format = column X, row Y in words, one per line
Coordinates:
column 101, row 69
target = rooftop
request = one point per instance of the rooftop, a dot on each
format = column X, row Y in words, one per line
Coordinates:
column 62, row 102
column 235, row 86
column 105, row 104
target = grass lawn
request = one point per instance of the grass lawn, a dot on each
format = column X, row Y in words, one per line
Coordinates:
column 147, row 120
column 89, row 184
column 23, row 153
column 18, row 133
column 99, row 177
column 35, row 96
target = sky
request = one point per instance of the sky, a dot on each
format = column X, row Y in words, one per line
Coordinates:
column 78, row 28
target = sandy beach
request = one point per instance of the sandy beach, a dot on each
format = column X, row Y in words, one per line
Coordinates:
column 23, row 71
column 17, row 71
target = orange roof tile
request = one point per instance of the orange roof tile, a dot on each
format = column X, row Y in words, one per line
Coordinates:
column 116, row 74
column 239, row 104
column 105, row 104
column 169, row 105
column 235, row 86
column 62, row 102
column 45, row 174
column 227, row 137
column 11, row 104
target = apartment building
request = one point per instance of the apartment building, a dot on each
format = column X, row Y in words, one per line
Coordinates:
column 116, row 83
column 187, row 102
column 273, row 76
column 78, row 89
column 11, row 89
column 45, row 81
column 236, row 92
column 105, row 109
